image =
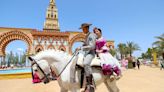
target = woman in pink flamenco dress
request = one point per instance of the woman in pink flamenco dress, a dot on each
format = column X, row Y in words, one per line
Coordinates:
column 110, row 65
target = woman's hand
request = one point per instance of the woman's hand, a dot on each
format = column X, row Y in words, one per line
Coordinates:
column 77, row 49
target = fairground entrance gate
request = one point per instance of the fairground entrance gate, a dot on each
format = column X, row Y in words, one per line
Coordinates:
column 49, row 38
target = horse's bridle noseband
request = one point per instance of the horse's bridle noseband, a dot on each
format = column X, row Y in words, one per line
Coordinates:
column 45, row 75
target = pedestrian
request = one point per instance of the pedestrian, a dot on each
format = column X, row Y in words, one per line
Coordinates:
column 161, row 61
column 138, row 63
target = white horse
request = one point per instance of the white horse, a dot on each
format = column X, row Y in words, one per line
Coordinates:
column 57, row 61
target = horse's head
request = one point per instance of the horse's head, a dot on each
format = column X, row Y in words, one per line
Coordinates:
column 49, row 63
column 43, row 69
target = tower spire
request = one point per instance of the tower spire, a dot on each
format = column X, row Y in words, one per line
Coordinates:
column 51, row 23
column 52, row 2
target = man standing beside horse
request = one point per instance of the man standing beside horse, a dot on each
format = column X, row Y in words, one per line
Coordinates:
column 89, row 49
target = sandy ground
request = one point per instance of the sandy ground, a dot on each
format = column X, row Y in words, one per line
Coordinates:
column 147, row 79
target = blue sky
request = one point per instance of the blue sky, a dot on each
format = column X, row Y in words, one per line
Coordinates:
column 121, row 20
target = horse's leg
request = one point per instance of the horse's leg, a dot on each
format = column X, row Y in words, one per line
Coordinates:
column 109, row 89
column 63, row 90
column 75, row 90
column 111, row 85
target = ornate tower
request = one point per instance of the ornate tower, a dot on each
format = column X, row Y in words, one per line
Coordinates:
column 51, row 23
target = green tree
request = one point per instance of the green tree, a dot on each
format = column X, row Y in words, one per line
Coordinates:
column 131, row 47
column 143, row 55
column 149, row 53
column 10, row 58
column 112, row 52
column 159, row 45
column 121, row 49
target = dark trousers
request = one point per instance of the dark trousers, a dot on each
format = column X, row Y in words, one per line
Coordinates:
column 138, row 66
column 134, row 64
column 162, row 66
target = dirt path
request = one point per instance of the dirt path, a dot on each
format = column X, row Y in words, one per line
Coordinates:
column 146, row 79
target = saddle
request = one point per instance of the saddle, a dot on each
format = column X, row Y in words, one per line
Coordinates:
column 78, row 66
column 95, row 62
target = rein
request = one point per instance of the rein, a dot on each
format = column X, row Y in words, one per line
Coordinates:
column 74, row 54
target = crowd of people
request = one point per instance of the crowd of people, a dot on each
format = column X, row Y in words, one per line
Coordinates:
column 6, row 67
column 124, row 63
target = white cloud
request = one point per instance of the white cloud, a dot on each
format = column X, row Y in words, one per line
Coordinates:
column 20, row 49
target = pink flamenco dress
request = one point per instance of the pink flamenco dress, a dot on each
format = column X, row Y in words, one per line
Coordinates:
column 109, row 64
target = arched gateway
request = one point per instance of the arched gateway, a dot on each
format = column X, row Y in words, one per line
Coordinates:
column 49, row 38
column 10, row 36
column 39, row 40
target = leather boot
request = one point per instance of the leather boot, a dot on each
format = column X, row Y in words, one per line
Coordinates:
column 89, row 86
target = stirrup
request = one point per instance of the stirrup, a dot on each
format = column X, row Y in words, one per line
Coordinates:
column 89, row 88
column 112, row 78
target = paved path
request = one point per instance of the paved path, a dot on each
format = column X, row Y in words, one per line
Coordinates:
column 146, row 79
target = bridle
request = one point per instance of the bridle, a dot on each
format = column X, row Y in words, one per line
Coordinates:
column 46, row 75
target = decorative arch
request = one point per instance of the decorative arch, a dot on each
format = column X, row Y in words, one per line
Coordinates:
column 38, row 48
column 51, row 47
column 7, row 37
column 62, row 48
column 77, row 38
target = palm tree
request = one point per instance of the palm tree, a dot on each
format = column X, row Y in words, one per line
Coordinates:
column 159, row 45
column 131, row 47
column 143, row 55
column 122, row 49
column 112, row 52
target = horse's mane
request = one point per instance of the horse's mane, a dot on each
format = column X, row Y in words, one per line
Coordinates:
column 52, row 54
